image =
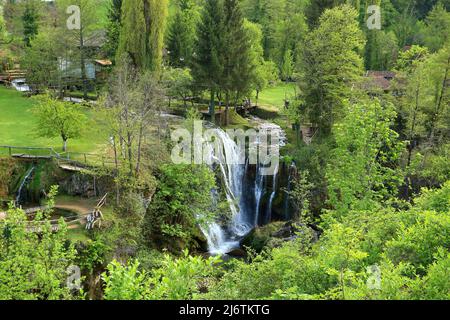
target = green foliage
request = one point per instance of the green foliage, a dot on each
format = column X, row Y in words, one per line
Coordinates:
column 179, row 83
column 283, row 25
column 125, row 282
column 113, row 27
column 437, row 200
column 182, row 33
column 381, row 50
column 176, row 279
column 436, row 28
column 33, row 264
column 332, row 63
column 41, row 60
column 408, row 60
column 287, row 67
column 2, row 24
column 56, row 118
column 143, row 47
column 238, row 61
column 362, row 171
column 182, row 200
column 419, row 243
column 408, row 247
column 183, row 278
column 30, row 22
column 435, row 285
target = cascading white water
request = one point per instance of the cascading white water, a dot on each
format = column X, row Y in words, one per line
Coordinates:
column 272, row 196
column 259, row 188
column 225, row 153
column 22, row 185
column 218, row 242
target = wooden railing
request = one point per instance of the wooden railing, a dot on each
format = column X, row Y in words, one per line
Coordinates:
column 76, row 158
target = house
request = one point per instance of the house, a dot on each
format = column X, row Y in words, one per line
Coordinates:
column 379, row 80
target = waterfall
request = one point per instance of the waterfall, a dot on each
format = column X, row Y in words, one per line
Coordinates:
column 218, row 242
column 259, row 192
column 292, row 168
column 22, row 185
column 226, row 155
column 272, row 196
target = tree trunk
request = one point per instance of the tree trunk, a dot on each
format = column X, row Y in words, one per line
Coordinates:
column 83, row 66
column 116, row 163
column 212, row 111
column 227, row 108
column 64, row 145
column 138, row 161
column 438, row 104
column 413, row 126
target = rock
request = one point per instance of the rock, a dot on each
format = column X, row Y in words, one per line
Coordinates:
column 259, row 237
column 201, row 240
column 237, row 253
column 277, row 233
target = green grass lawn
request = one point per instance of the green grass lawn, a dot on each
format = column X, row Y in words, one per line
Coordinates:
column 17, row 127
column 275, row 96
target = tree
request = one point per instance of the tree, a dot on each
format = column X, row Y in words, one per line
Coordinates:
column 208, row 62
column 269, row 14
column 265, row 72
column 33, row 266
column 283, row 24
column 144, row 47
column 131, row 114
column 59, row 119
column 362, row 172
column 437, row 28
column 41, row 61
column 30, row 19
column 381, row 50
column 439, row 111
column 426, row 97
column 79, row 38
column 125, row 282
column 113, row 27
column 182, row 33
column 2, row 24
column 238, row 63
column 409, row 59
column 179, row 83
column 156, row 18
column 287, row 67
column 133, row 44
column 332, row 65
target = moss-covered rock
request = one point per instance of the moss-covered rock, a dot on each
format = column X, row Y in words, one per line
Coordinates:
column 259, row 237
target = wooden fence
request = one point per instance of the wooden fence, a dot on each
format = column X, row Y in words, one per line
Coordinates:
column 75, row 158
